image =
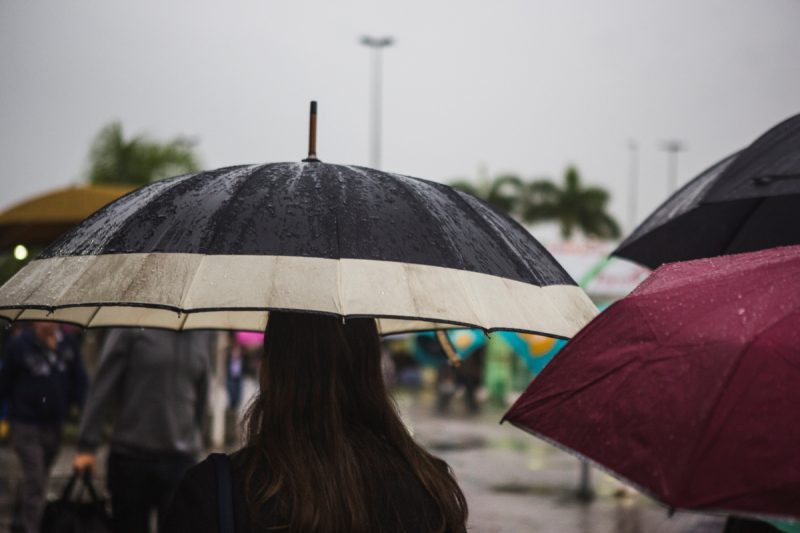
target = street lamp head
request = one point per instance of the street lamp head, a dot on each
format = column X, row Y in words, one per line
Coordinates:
column 377, row 42
column 674, row 145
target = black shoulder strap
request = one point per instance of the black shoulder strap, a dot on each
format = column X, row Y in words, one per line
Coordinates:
column 222, row 464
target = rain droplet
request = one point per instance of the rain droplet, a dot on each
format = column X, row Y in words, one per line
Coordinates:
column 741, row 310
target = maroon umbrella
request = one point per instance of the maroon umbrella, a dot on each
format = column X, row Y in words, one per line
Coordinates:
column 689, row 388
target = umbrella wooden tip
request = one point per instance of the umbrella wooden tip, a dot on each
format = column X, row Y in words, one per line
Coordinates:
column 312, row 134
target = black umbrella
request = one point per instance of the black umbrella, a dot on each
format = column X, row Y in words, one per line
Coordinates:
column 221, row 248
column 748, row 201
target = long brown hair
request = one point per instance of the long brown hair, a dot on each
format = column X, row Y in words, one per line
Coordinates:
column 323, row 421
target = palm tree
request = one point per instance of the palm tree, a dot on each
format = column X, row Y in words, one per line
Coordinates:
column 572, row 205
column 138, row 161
column 503, row 192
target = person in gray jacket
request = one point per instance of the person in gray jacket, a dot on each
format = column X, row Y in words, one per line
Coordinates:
column 155, row 383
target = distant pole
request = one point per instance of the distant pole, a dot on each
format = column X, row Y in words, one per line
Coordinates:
column 633, row 182
column 585, row 491
column 672, row 147
column 377, row 44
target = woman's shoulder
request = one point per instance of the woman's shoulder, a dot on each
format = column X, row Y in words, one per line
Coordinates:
column 204, row 473
column 195, row 505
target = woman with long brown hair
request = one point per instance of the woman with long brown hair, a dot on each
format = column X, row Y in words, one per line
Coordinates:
column 325, row 448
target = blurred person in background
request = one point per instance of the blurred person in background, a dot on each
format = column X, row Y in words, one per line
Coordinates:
column 450, row 379
column 153, row 386
column 233, row 379
column 326, row 449
column 498, row 369
column 41, row 379
column 7, row 333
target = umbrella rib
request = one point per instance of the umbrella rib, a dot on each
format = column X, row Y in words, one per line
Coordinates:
column 339, row 291
column 94, row 314
column 490, row 224
column 188, row 290
column 748, row 216
column 433, row 223
column 183, row 321
column 696, row 450
column 477, row 309
column 186, row 294
column 422, row 212
column 222, row 212
column 452, row 249
column 77, row 279
column 557, row 311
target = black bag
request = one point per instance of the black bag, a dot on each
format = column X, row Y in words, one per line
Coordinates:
column 72, row 515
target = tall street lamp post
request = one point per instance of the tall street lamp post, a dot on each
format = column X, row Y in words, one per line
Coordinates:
column 377, row 44
column 633, row 182
column 673, row 147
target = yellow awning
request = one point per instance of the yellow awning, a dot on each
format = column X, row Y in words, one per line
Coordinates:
column 39, row 220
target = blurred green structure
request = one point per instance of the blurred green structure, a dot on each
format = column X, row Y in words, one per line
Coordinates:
column 512, row 359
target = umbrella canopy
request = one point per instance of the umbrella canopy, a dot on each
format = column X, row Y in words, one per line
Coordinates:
column 687, row 388
column 746, row 202
column 219, row 249
column 40, row 220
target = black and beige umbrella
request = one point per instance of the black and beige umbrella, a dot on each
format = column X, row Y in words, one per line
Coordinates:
column 220, row 249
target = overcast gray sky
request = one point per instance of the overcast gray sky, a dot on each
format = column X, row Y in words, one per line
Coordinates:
column 526, row 86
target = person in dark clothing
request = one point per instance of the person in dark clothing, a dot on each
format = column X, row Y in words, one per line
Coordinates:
column 470, row 375
column 233, row 380
column 42, row 378
column 325, row 449
column 155, row 382
column 449, row 379
column 467, row 375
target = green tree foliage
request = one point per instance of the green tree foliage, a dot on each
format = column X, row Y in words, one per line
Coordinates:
column 575, row 206
column 139, row 160
column 572, row 205
column 503, row 192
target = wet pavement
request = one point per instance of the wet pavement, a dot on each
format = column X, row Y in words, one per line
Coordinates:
column 512, row 481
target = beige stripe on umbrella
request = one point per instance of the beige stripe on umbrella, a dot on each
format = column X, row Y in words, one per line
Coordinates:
column 193, row 291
